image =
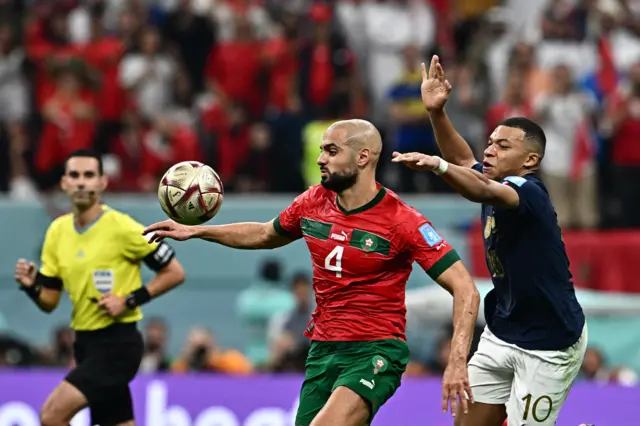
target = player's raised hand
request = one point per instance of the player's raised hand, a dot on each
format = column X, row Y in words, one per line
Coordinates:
column 456, row 387
column 435, row 87
column 168, row 229
column 25, row 273
column 416, row 160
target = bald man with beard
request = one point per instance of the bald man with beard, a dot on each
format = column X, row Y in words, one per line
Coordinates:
column 363, row 241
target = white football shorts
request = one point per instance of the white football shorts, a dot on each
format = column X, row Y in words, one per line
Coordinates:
column 533, row 384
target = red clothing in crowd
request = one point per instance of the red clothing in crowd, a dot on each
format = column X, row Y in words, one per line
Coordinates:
column 283, row 60
column 502, row 110
column 42, row 53
column 104, row 56
column 626, row 148
column 66, row 134
column 147, row 156
column 235, row 67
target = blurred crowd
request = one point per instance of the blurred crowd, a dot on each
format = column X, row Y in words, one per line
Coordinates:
column 274, row 310
column 248, row 86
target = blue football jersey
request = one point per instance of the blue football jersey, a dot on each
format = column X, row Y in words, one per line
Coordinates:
column 533, row 304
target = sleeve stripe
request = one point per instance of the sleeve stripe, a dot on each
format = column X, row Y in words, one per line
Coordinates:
column 443, row 264
column 280, row 230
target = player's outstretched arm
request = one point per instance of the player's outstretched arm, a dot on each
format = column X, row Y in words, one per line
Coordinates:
column 435, row 92
column 472, row 185
column 466, row 301
column 245, row 235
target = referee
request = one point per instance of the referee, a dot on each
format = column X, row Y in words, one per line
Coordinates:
column 94, row 253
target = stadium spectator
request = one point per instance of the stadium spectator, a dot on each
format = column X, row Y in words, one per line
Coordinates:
column 234, row 65
column 566, row 115
column 622, row 126
column 147, row 75
column 103, row 52
column 594, row 368
column 254, row 172
column 156, row 336
column 70, row 116
column 286, row 330
column 258, row 303
column 203, row 355
column 190, row 37
column 14, row 112
column 60, row 353
column 412, row 129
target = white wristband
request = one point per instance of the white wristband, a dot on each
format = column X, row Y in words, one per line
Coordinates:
column 442, row 167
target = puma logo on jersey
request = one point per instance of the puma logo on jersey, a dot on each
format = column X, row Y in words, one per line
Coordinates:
column 342, row 236
column 370, row 384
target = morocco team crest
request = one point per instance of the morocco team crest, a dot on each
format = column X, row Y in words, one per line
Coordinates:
column 379, row 364
column 369, row 242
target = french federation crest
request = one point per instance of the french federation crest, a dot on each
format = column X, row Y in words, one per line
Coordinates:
column 369, row 242
column 489, row 227
column 379, row 364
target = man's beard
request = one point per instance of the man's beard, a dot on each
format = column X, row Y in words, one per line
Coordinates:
column 339, row 182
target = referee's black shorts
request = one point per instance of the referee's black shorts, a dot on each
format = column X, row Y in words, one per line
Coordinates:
column 106, row 361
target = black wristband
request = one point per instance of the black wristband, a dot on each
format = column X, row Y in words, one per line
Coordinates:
column 138, row 297
column 32, row 291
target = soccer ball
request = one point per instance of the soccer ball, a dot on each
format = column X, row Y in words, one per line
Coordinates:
column 190, row 193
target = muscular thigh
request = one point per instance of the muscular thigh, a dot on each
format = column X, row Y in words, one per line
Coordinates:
column 491, row 371
column 541, row 384
column 350, row 381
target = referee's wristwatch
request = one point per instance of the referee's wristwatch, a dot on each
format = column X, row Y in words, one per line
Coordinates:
column 137, row 298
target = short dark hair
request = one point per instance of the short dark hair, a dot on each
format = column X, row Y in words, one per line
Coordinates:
column 532, row 131
column 271, row 270
column 86, row 153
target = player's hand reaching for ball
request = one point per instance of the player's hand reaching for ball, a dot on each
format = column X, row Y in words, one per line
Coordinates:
column 435, row 87
column 112, row 305
column 416, row 160
column 455, row 387
column 168, row 229
column 25, row 273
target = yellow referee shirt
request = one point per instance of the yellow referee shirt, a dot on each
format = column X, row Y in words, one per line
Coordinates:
column 102, row 258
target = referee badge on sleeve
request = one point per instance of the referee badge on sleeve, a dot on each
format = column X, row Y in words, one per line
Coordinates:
column 103, row 280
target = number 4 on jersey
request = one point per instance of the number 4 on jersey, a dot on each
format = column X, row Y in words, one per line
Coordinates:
column 333, row 261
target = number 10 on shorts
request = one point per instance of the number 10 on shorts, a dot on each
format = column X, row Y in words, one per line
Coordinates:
column 540, row 409
column 333, row 261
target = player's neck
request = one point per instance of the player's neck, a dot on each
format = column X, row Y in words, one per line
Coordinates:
column 358, row 195
column 86, row 217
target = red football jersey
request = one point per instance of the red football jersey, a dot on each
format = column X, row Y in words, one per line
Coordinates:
column 361, row 261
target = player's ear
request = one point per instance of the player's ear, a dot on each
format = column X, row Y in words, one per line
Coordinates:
column 364, row 157
column 63, row 183
column 532, row 161
column 104, row 182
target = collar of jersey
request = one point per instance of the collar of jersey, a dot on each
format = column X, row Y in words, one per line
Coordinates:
column 88, row 226
column 379, row 196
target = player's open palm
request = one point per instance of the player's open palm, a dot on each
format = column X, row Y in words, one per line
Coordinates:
column 455, row 387
column 25, row 273
column 435, row 87
column 168, row 229
column 416, row 160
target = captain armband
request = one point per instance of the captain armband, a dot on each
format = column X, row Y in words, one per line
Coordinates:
column 160, row 257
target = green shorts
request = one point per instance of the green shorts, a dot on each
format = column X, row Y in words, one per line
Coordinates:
column 373, row 370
